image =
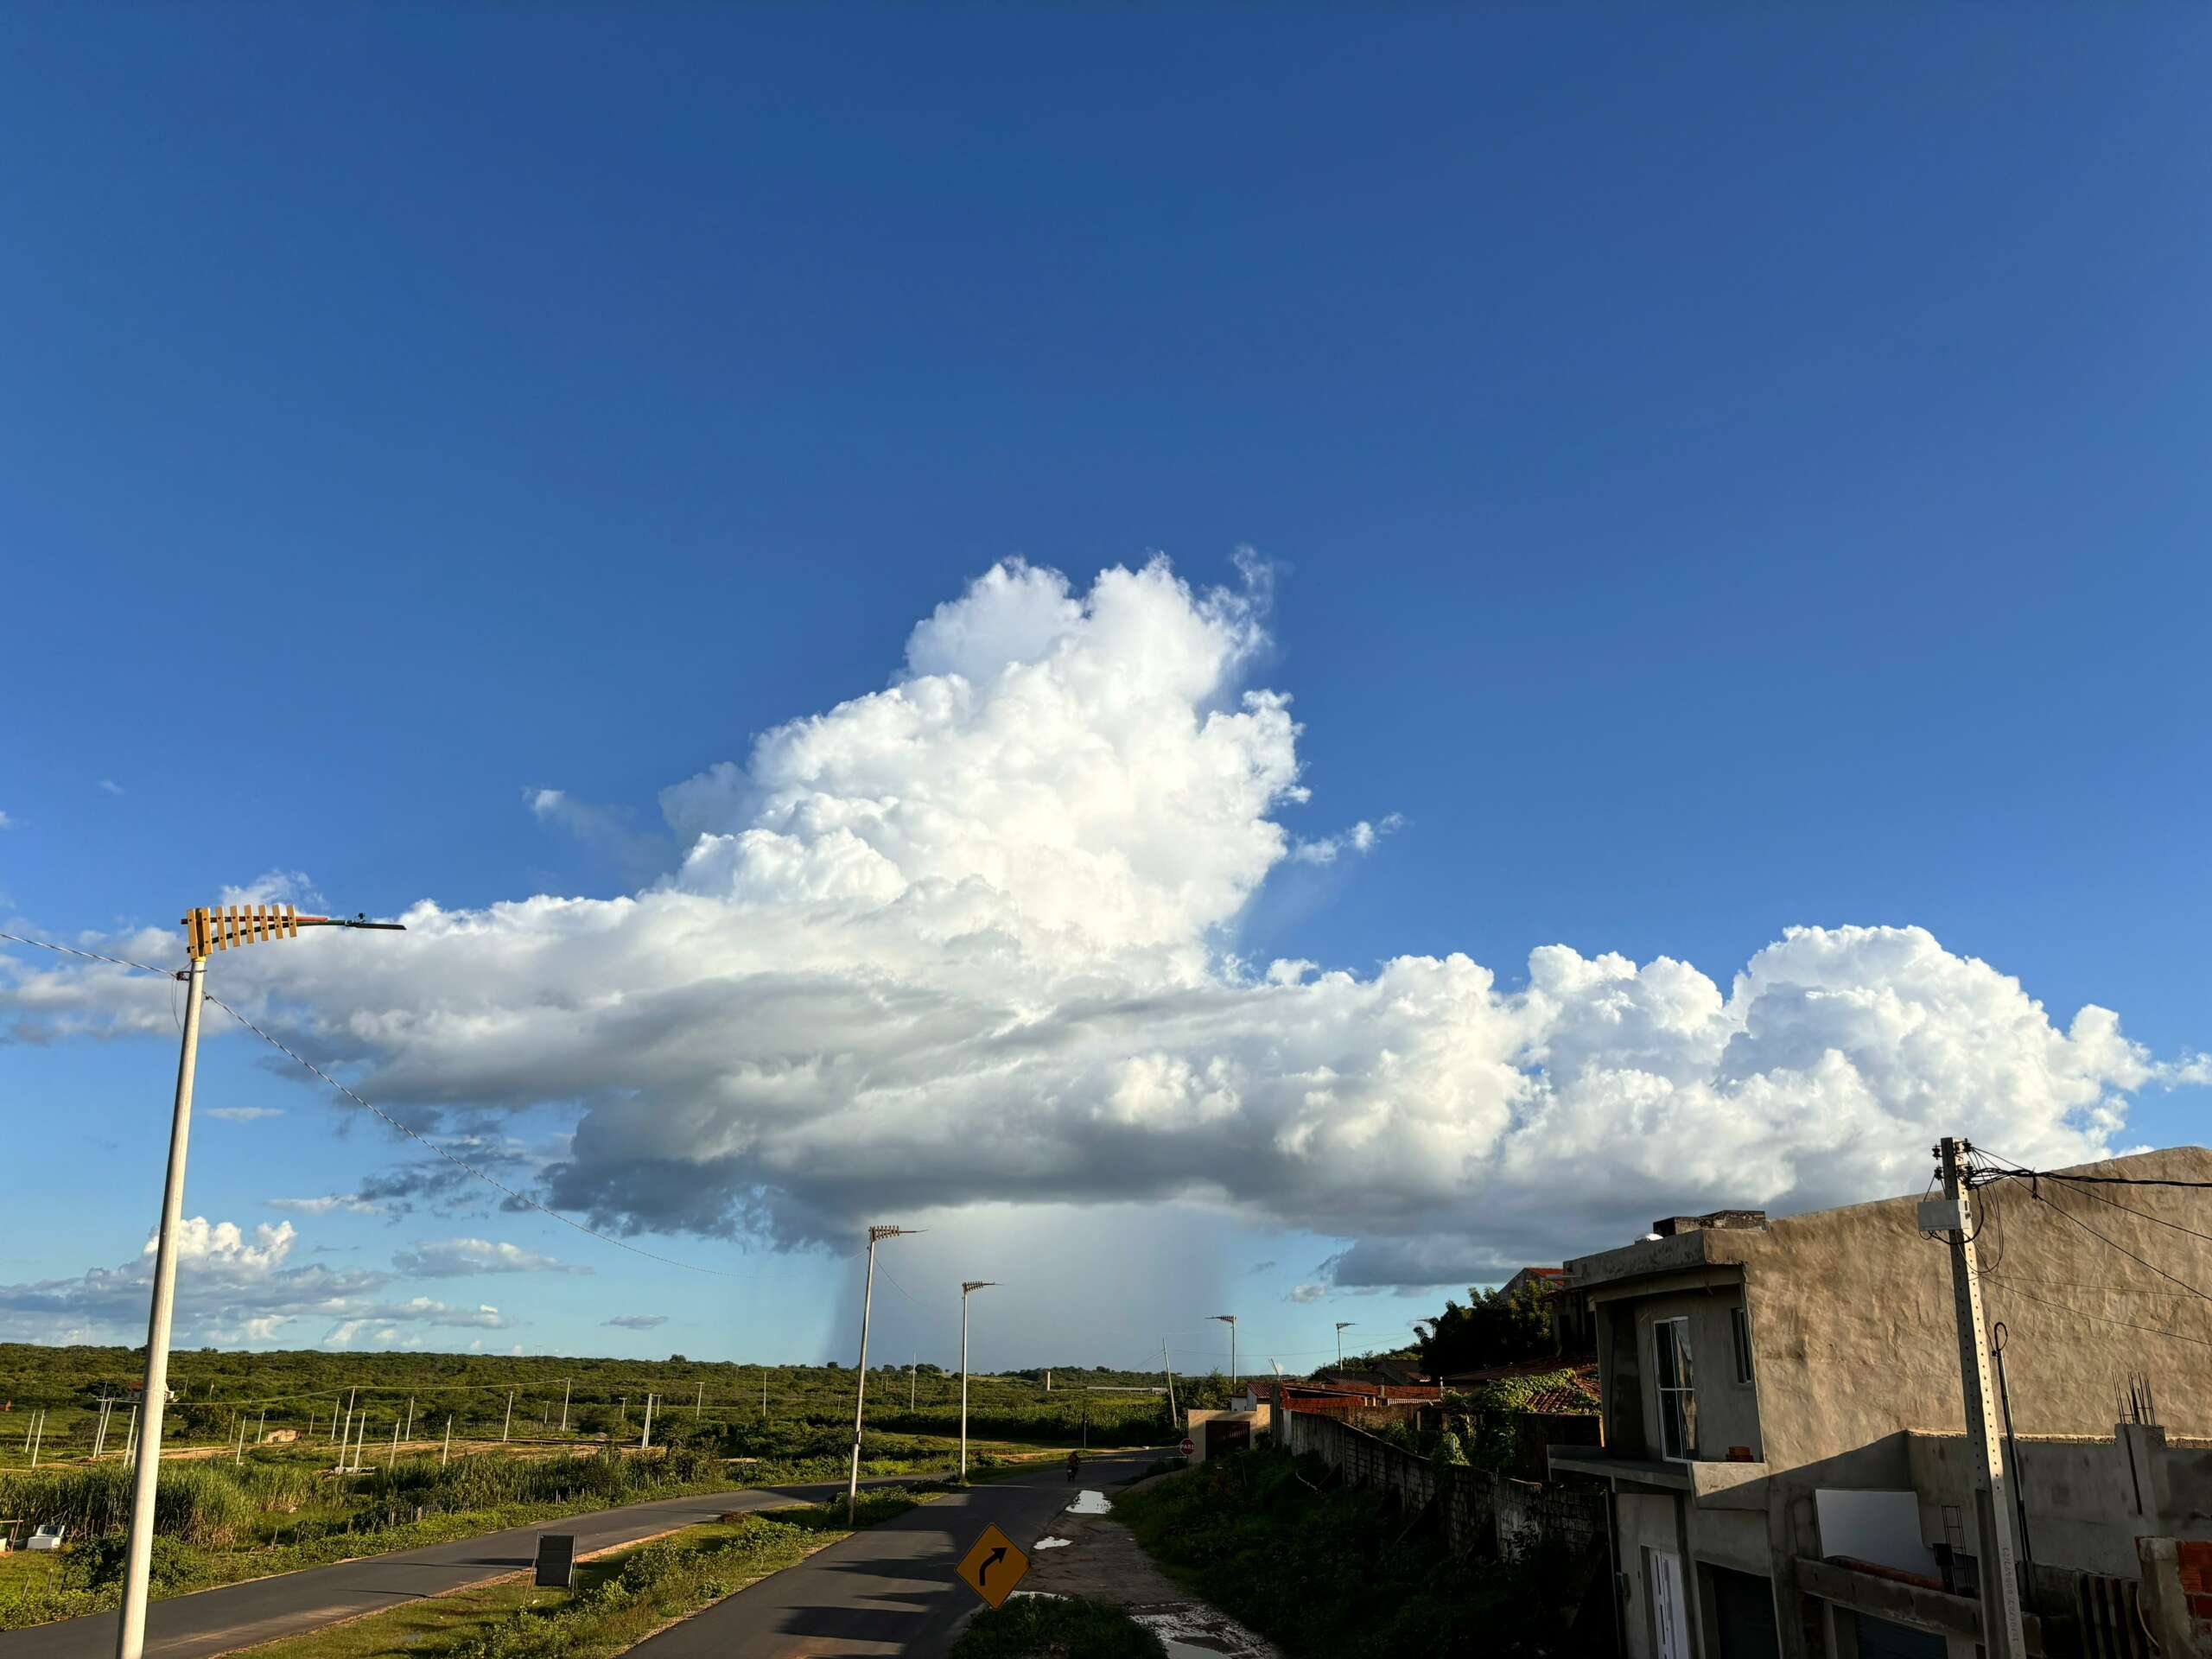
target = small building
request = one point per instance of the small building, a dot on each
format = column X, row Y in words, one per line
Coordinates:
column 1785, row 1453
column 1213, row 1432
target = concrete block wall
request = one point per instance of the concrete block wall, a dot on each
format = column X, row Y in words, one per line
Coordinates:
column 1478, row 1510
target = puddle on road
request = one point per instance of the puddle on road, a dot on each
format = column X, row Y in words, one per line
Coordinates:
column 1053, row 1543
column 1090, row 1502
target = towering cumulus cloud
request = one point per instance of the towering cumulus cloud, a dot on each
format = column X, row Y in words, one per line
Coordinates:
column 1003, row 890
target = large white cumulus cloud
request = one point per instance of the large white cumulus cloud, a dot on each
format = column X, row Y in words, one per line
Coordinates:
column 970, row 938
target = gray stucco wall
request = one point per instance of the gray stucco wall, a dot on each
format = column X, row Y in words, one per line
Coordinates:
column 1853, row 1336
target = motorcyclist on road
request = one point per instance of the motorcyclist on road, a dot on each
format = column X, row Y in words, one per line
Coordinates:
column 1075, row 1465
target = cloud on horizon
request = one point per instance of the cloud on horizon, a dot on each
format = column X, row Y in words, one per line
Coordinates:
column 1005, row 886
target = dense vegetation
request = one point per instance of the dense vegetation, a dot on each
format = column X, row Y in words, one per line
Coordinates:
column 309, row 1392
column 1325, row 1570
column 1036, row 1627
column 1491, row 1329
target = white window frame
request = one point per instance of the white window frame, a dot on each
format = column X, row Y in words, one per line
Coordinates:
column 1671, row 1353
column 1739, row 1333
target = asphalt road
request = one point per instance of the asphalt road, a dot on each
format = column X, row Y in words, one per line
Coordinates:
column 235, row 1615
column 889, row 1590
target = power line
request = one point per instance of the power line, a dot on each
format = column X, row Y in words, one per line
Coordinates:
column 90, row 956
column 2033, row 1177
column 2012, row 1289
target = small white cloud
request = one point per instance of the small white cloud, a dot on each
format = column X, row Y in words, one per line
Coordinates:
column 350, row 1204
column 275, row 887
column 637, row 1321
column 112, row 787
column 455, row 1258
column 1360, row 838
column 244, row 1114
column 6, row 823
column 1309, row 1293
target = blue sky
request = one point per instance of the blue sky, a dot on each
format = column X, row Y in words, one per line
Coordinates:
column 1720, row 472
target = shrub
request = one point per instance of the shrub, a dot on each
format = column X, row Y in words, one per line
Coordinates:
column 1037, row 1627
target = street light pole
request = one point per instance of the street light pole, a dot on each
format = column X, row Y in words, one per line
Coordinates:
column 859, row 1394
column 1342, row 1326
column 966, row 1285
column 206, row 929
column 1230, row 1319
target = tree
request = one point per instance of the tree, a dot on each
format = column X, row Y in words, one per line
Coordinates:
column 1492, row 1329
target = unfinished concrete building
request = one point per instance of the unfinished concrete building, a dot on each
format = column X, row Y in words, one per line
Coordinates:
column 1785, row 1435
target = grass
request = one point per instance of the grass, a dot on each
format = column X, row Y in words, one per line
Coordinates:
column 1323, row 1570
column 1040, row 1627
column 618, row 1599
column 218, row 1524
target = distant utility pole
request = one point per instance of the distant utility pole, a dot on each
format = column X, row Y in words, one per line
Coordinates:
column 1995, row 1516
column 699, row 1409
column 410, row 1417
column 392, row 1457
column 966, row 1286
column 238, row 1457
column 875, row 1234
column 1168, row 1371
column 446, row 1456
column 1230, row 1319
column 509, row 1422
column 1342, row 1326
column 645, row 1441
column 565, row 1384
column 764, row 1394
column 99, row 1434
column 130, row 1436
column 261, row 1428
column 37, row 1436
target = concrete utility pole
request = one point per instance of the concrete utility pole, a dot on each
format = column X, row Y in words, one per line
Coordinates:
column 261, row 1428
column 410, row 1417
column 645, row 1440
column 130, row 1628
column 99, row 1433
column 566, row 1383
column 699, row 1408
column 1230, row 1319
column 392, row 1457
column 510, row 1420
column 966, row 1286
column 860, row 1393
column 1168, row 1371
column 1995, row 1517
column 913, row 1365
column 130, row 1437
column 446, row 1456
column 764, row 1394
column 1342, row 1326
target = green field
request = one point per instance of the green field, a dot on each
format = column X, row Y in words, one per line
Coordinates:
column 307, row 1393
column 281, row 1502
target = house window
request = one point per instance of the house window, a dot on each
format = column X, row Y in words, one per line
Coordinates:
column 1739, row 1328
column 1670, row 1341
